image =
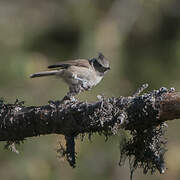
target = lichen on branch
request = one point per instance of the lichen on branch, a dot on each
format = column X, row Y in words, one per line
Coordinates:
column 143, row 115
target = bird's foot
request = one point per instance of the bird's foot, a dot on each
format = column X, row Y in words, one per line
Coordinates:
column 69, row 97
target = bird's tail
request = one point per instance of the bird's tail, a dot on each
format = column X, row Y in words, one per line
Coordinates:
column 44, row 73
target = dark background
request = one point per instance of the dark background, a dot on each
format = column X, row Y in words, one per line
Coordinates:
column 140, row 38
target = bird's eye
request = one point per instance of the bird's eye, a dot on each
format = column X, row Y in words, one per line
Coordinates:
column 97, row 64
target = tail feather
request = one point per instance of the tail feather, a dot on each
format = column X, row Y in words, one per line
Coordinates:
column 44, row 73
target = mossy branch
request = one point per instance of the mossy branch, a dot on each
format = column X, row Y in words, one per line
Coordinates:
column 137, row 113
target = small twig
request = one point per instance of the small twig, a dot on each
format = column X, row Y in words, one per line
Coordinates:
column 140, row 90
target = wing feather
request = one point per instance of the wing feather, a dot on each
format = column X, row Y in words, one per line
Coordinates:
column 66, row 64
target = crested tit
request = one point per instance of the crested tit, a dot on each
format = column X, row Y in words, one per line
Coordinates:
column 80, row 74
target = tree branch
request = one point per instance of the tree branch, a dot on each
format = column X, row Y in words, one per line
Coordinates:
column 137, row 113
column 72, row 118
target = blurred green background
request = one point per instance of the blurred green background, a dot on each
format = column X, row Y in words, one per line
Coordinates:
column 140, row 38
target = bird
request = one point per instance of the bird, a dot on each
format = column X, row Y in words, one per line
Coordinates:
column 80, row 74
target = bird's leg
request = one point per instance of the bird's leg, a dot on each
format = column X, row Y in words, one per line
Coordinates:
column 73, row 90
column 69, row 96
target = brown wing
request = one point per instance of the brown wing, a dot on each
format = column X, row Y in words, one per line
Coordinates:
column 66, row 64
